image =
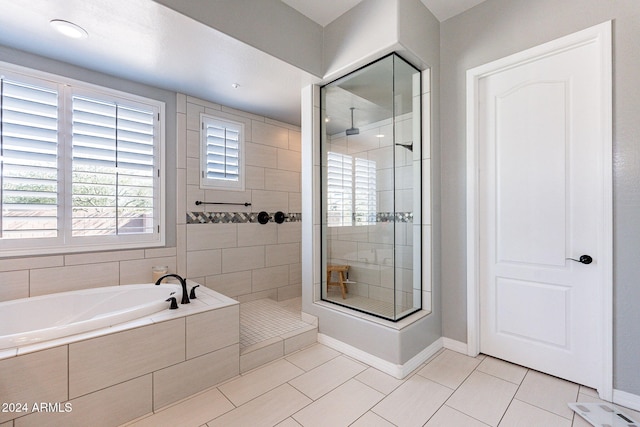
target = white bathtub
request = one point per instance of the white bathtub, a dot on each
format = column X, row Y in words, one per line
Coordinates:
column 31, row 320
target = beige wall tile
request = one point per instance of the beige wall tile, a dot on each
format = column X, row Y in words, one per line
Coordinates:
column 262, row 355
column 271, row 294
column 254, row 178
column 181, row 138
column 240, row 259
column 295, row 202
column 270, row 201
column 139, row 271
column 203, row 103
column 287, row 253
column 34, row 377
column 289, row 160
column 203, row 263
column 281, row 180
column 254, row 234
column 295, row 273
column 193, row 144
column 104, row 361
column 181, row 196
column 12, row 264
column 96, row 257
column 288, row 292
column 261, row 155
column 231, row 284
column 297, row 341
column 105, row 408
column 290, row 232
column 181, row 243
column 59, row 279
column 193, row 115
column 194, row 193
column 181, row 103
column 212, row 330
column 295, row 140
column 14, row 285
column 268, row 134
column 211, row 236
column 160, row 252
column 193, row 171
column 184, row 379
column 269, row 278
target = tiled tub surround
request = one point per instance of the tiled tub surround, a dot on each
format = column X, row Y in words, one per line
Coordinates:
column 37, row 319
column 225, row 247
column 117, row 374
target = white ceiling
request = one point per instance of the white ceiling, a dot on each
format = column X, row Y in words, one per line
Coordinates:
column 325, row 11
column 143, row 41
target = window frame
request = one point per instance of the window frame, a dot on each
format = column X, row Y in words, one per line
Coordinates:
column 221, row 184
column 65, row 242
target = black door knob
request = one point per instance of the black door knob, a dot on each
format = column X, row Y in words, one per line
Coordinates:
column 584, row 259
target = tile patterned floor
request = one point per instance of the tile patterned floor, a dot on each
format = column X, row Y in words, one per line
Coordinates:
column 319, row 386
column 265, row 318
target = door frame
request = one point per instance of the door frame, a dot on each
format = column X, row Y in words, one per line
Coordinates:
column 601, row 36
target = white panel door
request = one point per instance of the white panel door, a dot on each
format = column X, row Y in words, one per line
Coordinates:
column 540, row 202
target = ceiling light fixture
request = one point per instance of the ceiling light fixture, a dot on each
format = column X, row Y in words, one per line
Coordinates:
column 235, row 85
column 69, row 29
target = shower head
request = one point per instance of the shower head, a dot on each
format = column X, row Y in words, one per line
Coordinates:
column 352, row 130
column 408, row 146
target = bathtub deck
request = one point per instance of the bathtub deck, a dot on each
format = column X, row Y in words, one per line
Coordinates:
column 270, row 329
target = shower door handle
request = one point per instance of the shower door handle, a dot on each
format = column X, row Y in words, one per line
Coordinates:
column 584, row 259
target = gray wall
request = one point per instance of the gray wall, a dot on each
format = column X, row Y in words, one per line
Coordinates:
column 497, row 28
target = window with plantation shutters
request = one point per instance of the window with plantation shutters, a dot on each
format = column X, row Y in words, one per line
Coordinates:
column 222, row 154
column 351, row 190
column 113, row 168
column 339, row 189
column 365, row 191
column 29, row 160
column 80, row 166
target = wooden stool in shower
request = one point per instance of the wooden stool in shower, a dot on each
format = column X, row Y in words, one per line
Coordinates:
column 340, row 270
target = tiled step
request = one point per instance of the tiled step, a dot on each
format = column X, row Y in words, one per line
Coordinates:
column 270, row 330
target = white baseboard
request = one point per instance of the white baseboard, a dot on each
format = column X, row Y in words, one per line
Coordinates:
column 628, row 400
column 395, row 370
column 457, row 346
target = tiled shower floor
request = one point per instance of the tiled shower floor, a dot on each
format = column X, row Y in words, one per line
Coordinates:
column 263, row 319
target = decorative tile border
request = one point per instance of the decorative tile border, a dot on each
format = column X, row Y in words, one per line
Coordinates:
column 234, row 217
column 252, row 217
column 394, row 217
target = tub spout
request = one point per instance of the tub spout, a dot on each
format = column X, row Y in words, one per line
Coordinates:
column 183, row 283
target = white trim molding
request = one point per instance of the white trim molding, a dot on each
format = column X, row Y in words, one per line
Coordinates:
column 453, row 345
column 628, row 400
column 600, row 34
column 395, row 370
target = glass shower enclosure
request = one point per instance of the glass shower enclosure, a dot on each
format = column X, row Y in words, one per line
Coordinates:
column 371, row 189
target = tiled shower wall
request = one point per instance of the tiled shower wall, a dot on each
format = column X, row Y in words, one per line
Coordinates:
column 234, row 254
column 369, row 249
column 241, row 260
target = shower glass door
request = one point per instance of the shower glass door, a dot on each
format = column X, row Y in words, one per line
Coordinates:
column 371, row 189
